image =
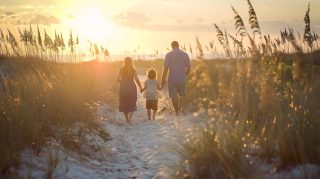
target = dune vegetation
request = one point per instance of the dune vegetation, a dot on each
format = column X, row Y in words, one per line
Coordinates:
column 43, row 100
column 261, row 104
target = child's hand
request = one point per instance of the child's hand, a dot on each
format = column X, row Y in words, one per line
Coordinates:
column 163, row 82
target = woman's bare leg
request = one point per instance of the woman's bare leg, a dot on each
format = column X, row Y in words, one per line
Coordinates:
column 127, row 117
column 130, row 116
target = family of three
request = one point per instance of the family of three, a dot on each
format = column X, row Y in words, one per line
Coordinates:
column 177, row 64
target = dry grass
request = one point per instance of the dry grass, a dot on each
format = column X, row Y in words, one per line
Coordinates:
column 208, row 153
column 42, row 100
column 265, row 102
column 268, row 106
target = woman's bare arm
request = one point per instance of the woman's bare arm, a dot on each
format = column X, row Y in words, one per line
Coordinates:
column 136, row 78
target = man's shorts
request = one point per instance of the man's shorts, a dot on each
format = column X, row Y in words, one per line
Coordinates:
column 152, row 104
column 175, row 89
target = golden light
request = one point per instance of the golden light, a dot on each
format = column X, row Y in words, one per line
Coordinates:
column 91, row 24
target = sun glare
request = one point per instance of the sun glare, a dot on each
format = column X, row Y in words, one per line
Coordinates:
column 92, row 25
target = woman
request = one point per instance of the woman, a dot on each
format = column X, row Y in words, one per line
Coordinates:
column 128, row 90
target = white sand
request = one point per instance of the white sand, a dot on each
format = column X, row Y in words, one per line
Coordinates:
column 140, row 150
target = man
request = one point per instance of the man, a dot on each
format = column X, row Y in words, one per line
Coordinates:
column 177, row 63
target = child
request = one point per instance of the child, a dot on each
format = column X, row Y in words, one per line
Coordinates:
column 151, row 86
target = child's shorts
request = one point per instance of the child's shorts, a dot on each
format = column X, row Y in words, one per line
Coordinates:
column 152, row 104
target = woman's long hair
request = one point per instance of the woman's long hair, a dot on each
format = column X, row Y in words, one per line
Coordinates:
column 127, row 69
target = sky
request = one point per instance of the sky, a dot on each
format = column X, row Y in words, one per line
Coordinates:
column 146, row 26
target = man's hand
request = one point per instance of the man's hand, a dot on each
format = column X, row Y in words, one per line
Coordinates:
column 187, row 71
column 164, row 76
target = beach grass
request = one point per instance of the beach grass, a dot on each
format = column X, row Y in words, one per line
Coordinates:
column 41, row 100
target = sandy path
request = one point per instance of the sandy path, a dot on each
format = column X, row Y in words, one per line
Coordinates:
column 140, row 150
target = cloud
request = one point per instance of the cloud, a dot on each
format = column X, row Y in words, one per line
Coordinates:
column 201, row 25
column 132, row 19
column 45, row 20
column 180, row 21
column 9, row 13
column 28, row 6
column 180, row 27
column 142, row 21
column 23, row 16
column 33, row 2
column 200, row 20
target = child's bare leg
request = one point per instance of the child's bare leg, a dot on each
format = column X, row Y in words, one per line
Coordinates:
column 149, row 113
column 154, row 114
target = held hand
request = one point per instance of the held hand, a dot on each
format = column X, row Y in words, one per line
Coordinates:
column 163, row 82
column 141, row 89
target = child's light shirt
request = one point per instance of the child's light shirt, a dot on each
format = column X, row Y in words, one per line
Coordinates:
column 151, row 92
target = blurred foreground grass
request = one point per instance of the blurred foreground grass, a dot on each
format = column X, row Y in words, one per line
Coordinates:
column 40, row 100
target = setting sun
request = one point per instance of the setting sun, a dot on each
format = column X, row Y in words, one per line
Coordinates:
column 91, row 24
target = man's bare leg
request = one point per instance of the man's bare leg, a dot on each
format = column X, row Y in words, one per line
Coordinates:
column 176, row 106
column 182, row 103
